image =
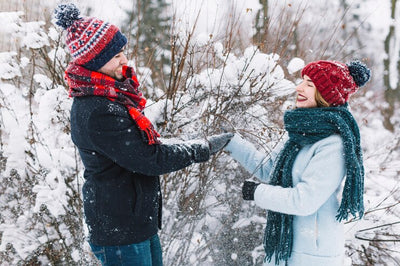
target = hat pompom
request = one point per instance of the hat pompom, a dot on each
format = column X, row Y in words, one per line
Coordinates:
column 66, row 15
column 360, row 72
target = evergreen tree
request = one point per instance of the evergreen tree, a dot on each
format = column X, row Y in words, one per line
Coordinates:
column 148, row 27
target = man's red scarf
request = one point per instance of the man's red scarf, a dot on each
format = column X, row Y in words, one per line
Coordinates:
column 83, row 82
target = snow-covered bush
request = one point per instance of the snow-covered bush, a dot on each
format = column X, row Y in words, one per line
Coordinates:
column 213, row 84
column 41, row 211
column 244, row 94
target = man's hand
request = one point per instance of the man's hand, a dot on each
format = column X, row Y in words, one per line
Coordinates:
column 218, row 142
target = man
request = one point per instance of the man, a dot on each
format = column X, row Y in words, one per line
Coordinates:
column 119, row 146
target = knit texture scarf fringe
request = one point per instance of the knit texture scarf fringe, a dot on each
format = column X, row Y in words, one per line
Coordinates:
column 307, row 126
column 83, row 82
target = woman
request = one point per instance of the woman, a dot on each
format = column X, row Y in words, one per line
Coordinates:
column 302, row 182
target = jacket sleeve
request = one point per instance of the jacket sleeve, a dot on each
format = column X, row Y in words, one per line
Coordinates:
column 320, row 179
column 117, row 137
column 254, row 161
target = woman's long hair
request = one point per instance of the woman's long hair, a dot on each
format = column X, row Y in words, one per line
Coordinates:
column 320, row 101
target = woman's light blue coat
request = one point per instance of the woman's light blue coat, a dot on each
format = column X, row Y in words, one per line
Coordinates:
column 317, row 173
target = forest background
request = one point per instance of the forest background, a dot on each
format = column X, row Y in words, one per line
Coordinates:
column 202, row 65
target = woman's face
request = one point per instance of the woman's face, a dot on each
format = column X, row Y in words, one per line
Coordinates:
column 306, row 93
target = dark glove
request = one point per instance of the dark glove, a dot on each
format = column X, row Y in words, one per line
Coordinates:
column 218, row 142
column 248, row 190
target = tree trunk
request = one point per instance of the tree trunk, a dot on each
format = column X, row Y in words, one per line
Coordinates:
column 261, row 24
column 392, row 91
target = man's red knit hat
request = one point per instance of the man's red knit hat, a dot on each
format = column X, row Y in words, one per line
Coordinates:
column 336, row 81
column 91, row 41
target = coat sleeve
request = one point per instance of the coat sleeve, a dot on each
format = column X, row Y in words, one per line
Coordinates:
column 117, row 137
column 320, row 179
column 254, row 161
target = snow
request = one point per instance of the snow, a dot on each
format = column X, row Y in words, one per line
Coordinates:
column 8, row 67
column 202, row 39
column 211, row 17
column 43, row 80
column 35, row 140
column 33, row 38
column 10, row 22
column 295, row 65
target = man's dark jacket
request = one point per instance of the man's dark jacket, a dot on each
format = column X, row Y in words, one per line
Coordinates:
column 121, row 194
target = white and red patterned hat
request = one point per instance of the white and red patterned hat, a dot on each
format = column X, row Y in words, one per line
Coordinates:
column 91, row 41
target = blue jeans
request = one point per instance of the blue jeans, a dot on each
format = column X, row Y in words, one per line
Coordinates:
column 146, row 253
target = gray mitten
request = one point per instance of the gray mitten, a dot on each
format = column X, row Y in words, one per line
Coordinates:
column 218, row 142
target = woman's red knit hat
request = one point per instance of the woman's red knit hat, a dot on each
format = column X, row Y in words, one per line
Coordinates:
column 91, row 41
column 336, row 81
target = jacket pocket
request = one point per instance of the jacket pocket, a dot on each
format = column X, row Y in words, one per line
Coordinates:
column 137, row 208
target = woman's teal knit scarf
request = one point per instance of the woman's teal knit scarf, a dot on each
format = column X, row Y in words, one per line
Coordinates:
column 307, row 126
